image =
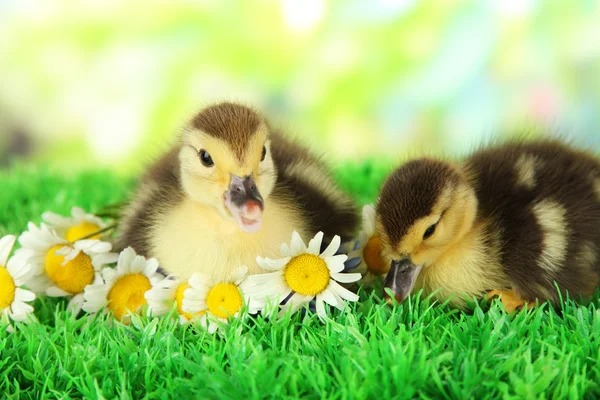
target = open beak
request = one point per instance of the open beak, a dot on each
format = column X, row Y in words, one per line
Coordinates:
column 401, row 279
column 244, row 202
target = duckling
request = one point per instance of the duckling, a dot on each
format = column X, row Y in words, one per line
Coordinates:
column 231, row 189
column 508, row 222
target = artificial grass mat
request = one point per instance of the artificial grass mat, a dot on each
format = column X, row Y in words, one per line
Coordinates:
column 416, row 350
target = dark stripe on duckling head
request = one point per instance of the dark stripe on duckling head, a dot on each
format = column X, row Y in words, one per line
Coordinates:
column 410, row 194
column 233, row 123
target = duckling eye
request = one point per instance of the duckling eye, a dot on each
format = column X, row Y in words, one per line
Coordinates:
column 430, row 231
column 264, row 153
column 206, row 159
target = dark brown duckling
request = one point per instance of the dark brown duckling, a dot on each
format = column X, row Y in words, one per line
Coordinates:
column 510, row 220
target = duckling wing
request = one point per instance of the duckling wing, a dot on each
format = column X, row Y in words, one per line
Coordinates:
column 158, row 191
column 304, row 181
column 544, row 200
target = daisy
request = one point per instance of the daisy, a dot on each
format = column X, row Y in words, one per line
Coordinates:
column 60, row 268
column 215, row 302
column 166, row 295
column 368, row 248
column 14, row 272
column 122, row 289
column 78, row 226
column 304, row 274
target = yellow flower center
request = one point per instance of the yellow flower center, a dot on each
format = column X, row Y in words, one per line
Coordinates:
column 82, row 230
column 224, row 300
column 179, row 300
column 307, row 274
column 127, row 294
column 72, row 277
column 7, row 289
column 372, row 255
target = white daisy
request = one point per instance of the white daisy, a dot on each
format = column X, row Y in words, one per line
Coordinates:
column 122, row 289
column 166, row 295
column 305, row 274
column 60, row 268
column 372, row 266
column 76, row 227
column 14, row 272
column 215, row 302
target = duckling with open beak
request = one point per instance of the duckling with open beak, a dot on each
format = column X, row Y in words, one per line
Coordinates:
column 231, row 189
column 244, row 202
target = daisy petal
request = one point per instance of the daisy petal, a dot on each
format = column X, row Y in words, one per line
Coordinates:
column 38, row 284
column 24, row 295
column 314, row 246
column 336, row 263
column 329, row 298
column 342, row 291
column 199, row 280
column 332, row 248
column 100, row 247
column 75, row 304
column 346, row 277
column 239, row 274
column 271, row 264
column 6, row 246
column 339, row 302
column 193, row 306
column 56, row 220
column 78, row 213
column 19, row 268
column 212, row 327
column 69, row 254
column 196, row 294
column 261, row 285
column 125, row 259
column 363, row 238
column 154, row 279
column 20, row 310
column 54, row 291
column 297, row 245
column 138, row 265
column 254, row 304
column 285, row 250
column 100, row 260
column 86, row 244
column 97, row 278
column 320, row 307
column 151, row 267
column 368, row 219
column 295, row 303
column 109, row 275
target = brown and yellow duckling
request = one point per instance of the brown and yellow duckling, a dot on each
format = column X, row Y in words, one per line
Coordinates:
column 510, row 221
column 231, row 189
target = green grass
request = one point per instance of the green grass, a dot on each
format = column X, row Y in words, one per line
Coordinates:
column 416, row 350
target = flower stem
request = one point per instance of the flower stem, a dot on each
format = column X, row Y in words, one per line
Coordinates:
column 101, row 231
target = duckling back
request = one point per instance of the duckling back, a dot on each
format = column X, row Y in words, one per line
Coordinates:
column 543, row 201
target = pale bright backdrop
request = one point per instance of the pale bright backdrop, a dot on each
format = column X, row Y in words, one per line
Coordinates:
column 108, row 83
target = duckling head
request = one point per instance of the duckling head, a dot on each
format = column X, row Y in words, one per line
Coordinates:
column 424, row 209
column 225, row 163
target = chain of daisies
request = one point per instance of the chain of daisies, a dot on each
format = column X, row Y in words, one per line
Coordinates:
column 70, row 257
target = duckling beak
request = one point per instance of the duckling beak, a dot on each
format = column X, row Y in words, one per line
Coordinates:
column 244, row 202
column 401, row 279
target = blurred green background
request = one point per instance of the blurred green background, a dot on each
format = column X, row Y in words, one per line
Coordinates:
column 108, row 83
